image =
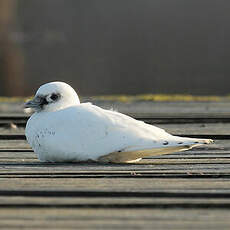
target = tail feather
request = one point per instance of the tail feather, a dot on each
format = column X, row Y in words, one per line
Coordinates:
column 197, row 141
column 135, row 155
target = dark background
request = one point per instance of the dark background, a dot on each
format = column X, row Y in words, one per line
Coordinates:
column 123, row 46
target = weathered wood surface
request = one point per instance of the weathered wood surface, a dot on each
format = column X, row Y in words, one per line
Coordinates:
column 113, row 218
column 188, row 190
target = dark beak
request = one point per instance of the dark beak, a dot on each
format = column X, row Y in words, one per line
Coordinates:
column 36, row 103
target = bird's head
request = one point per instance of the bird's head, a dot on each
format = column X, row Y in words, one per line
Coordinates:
column 52, row 97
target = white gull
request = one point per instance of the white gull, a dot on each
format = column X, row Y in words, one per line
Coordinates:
column 64, row 130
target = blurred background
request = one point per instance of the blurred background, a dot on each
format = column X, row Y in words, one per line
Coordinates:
column 115, row 47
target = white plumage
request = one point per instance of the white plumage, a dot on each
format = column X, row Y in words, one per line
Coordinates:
column 64, row 130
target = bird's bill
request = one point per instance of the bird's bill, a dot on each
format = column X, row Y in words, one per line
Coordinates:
column 34, row 103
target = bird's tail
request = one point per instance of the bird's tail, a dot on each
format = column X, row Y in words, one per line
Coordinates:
column 136, row 154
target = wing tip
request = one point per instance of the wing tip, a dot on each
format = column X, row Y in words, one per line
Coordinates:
column 204, row 141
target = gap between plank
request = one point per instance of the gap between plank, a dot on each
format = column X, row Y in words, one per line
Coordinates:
column 47, row 193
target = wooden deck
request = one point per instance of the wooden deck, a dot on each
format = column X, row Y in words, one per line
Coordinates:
column 189, row 190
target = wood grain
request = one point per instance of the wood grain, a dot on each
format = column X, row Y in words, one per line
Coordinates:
column 100, row 218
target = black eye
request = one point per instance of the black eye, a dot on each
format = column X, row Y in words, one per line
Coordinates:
column 54, row 97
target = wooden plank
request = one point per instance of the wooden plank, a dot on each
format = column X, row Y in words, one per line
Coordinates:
column 149, row 107
column 14, row 144
column 111, row 202
column 147, row 186
column 26, row 159
column 215, row 169
column 169, row 108
column 153, row 202
column 201, row 170
column 7, row 130
column 100, row 218
column 204, row 128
